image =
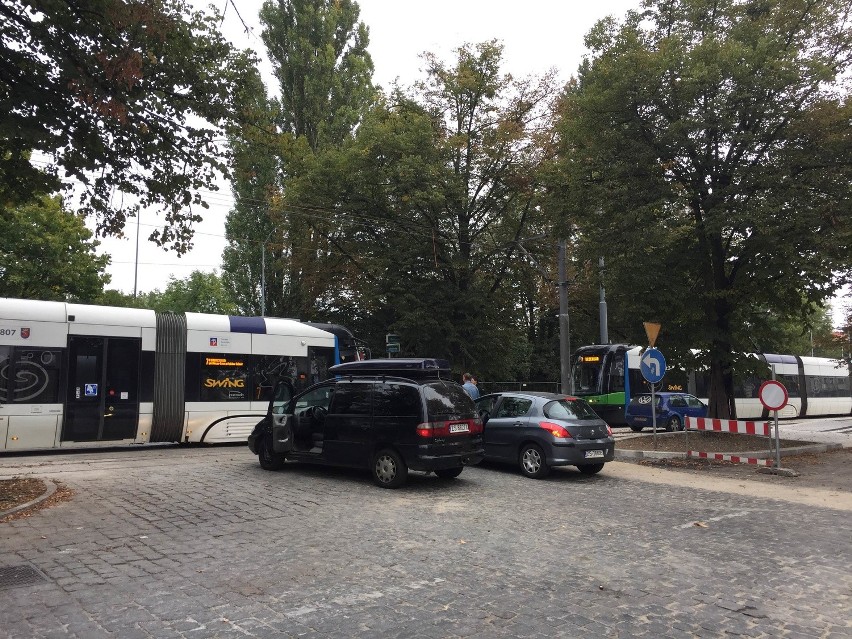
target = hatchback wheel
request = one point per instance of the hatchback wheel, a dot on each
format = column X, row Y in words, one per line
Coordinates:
column 590, row 469
column 533, row 462
column 674, row 424
column 389, row 470
column 449, row 473
column 268, row 458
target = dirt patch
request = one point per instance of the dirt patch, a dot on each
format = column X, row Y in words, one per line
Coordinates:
column 830, row 470
column 706, row 441
column 21, row 490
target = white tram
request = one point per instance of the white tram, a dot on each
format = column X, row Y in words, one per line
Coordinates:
column 74, row 375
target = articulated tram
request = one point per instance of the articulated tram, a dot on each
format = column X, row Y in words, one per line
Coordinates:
column 74, row 375
column 607, row 376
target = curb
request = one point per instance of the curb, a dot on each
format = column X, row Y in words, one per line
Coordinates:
column 51, row 488
column 763, row 454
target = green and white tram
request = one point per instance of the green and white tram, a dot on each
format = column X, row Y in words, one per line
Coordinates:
column 607, row 376
column 74, row 375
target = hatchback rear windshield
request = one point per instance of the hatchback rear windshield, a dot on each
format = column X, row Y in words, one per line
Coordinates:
column 447, row 398
column 569, row 409
column 644, row 400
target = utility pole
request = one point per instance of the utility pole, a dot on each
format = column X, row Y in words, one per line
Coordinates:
column 567, row 383
column 263, row 278
column 136, row 263
column 602, row 307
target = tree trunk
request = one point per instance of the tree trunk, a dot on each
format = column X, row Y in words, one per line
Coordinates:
column 721, row 400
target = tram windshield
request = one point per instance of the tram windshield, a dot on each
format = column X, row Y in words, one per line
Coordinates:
column 587, row 373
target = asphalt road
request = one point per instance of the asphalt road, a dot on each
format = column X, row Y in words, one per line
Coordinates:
column 201, row 542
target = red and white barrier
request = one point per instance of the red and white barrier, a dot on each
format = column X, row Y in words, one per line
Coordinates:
column 728, row 426
column 762, row 429
column 731, row 458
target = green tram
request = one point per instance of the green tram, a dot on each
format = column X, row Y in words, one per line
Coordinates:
column 608, row 375
column 600, row 375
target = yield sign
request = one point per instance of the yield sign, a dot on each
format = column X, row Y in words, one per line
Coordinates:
column 652, row 329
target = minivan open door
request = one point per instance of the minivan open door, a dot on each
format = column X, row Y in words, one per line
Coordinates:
column 280, row 421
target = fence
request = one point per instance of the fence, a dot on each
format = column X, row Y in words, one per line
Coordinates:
column 760, row 429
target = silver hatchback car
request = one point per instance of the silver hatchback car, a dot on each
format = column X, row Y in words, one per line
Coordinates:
column 537, row 431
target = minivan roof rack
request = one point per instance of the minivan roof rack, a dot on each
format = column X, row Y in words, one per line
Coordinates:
column 420, row 368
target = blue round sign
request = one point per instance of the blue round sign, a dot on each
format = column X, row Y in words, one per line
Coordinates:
column 652, row 365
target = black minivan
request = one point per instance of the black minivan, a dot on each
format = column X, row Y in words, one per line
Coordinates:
column 388, row 415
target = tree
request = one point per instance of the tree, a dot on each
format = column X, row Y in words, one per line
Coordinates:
column 428, row 205
column 47, row 253
column 199, row 293
column 124, row 98
column 706, row 151
column 319, row 53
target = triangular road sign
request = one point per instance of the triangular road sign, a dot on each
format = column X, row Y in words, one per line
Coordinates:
column 652, row 330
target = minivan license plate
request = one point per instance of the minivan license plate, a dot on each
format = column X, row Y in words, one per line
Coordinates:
column 459, row 428
column 594, row 453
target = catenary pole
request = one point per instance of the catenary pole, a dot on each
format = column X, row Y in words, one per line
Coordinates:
column 567, row 383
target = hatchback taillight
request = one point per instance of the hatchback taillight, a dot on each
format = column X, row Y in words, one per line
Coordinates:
column 609, row 430
column 555, row 429
column 450, row 428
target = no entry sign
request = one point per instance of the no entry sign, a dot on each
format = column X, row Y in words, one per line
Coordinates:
column 773, row 395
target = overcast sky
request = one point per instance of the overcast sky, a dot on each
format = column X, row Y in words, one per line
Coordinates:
column 537, row 35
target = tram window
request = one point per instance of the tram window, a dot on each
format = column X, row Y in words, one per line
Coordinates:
column 791, row 383
column 5, row 371
column 616, row 374
column 224, row 377
column 267, row 369
column 34, row 376
column 586, row 376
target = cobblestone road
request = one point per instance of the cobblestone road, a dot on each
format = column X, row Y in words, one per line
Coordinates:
column 202, row 543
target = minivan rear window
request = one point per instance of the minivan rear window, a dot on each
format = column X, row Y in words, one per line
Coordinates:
column 447, row 398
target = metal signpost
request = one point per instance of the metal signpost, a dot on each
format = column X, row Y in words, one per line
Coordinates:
column 652, row 364
column 774, row 396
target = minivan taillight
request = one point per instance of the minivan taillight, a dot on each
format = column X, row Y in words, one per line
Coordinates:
column 450, row 428
column 555, row 429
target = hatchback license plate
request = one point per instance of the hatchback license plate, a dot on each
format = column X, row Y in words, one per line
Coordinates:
column 459, row 428
column 594, row 453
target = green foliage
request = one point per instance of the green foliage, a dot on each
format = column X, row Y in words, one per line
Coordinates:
column 199, row 293
column 706, row 153
column 47, row 253
column 319, row 51
column 430, row 201
column 126, row 97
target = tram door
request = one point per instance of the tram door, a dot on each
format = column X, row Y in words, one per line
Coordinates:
column 102, row 399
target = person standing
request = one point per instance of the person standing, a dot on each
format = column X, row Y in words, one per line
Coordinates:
column 469, row 386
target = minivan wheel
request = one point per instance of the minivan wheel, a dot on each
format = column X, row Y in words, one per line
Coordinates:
column 636, row 429
column 590, row 469
column 269, row 459
column 389, row 470
column 533, row 462
column 449, row 473
column 674, row 424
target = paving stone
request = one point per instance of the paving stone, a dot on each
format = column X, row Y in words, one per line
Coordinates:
column 202, row 543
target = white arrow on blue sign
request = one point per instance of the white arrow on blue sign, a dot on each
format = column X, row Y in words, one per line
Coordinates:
column 652, row 365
